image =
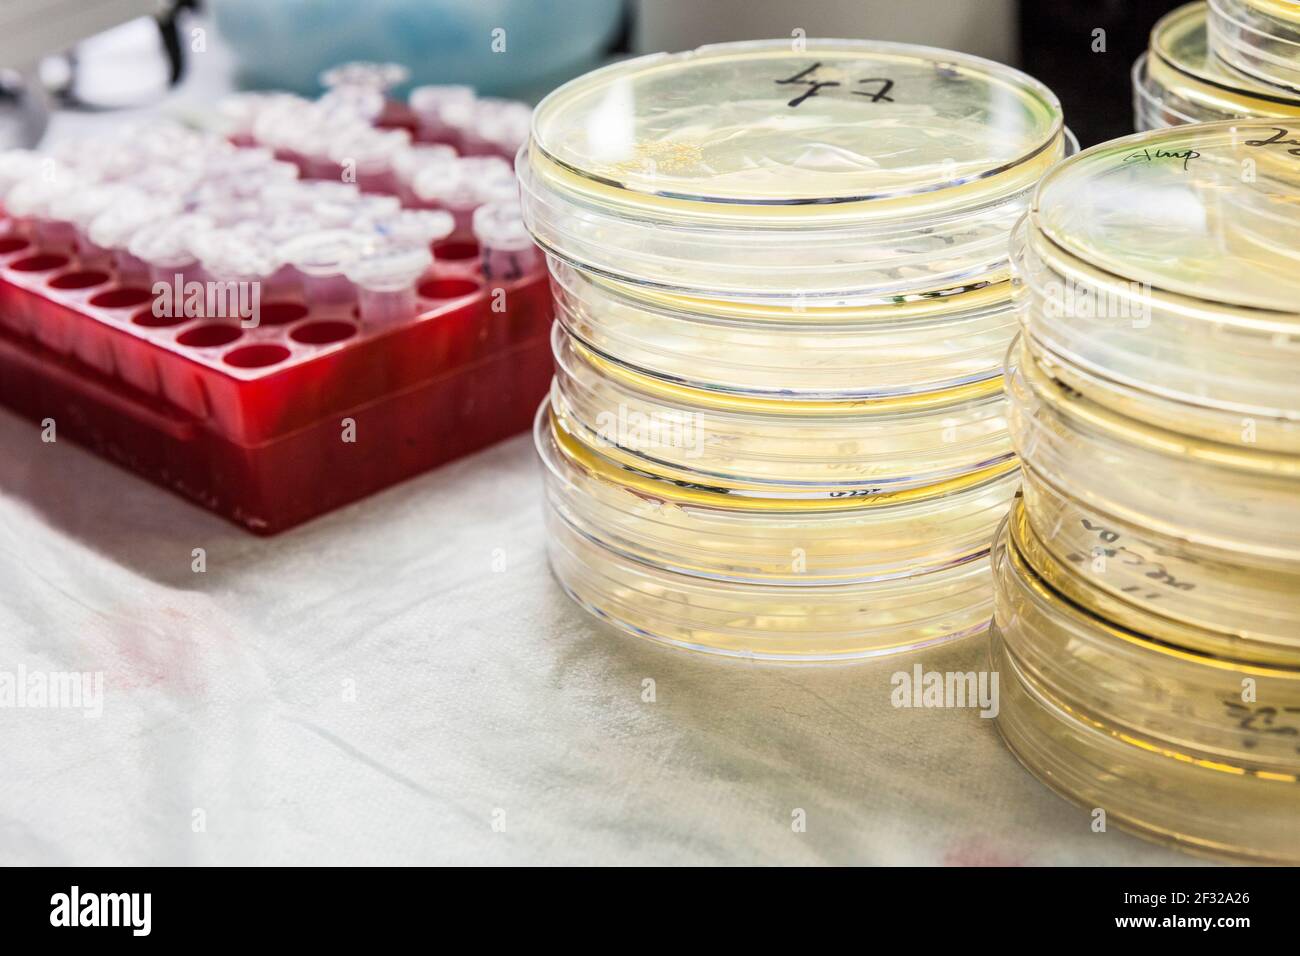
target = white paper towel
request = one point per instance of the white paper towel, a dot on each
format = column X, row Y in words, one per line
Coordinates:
column 492, row 720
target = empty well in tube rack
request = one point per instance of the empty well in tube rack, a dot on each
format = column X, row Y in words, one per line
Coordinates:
column 847, row 170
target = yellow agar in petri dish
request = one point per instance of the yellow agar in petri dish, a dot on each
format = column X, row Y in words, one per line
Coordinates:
column 1218, row 370
column 768, row 577
column 1260, row 38
column 1196, row 533
column 753, row 124
column 1161, row 737
column 823, row 447
column 1182, row 70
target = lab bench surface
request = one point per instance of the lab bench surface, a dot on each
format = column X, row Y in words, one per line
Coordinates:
column 402, row 682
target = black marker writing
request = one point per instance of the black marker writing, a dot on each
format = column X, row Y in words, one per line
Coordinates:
column 882, row 93
column 1150, row 155
column 1277, row 139
column 814, row 86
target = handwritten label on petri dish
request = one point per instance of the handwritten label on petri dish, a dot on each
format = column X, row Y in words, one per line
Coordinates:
column 1113, row 548
column 1279, row 138
column 807, row 77
column 1264, row 719
column 1147, row 155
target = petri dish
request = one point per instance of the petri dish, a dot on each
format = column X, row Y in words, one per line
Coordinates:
column 1193, row 749
column 1260, row 38
column 1199, row 353
column 763, row 622
column 846, row 171
column 1206, row 212
column 1121, row 572
column 1155, row 107
column 1182, row 71
column 718, row 535
column 1232, row 502
column 1167, row 260
column 808, row 351
column 809, row 448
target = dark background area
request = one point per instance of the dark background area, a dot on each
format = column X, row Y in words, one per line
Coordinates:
column 1056, row 39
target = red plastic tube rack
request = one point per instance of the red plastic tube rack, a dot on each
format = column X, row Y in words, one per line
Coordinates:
column 271, row 425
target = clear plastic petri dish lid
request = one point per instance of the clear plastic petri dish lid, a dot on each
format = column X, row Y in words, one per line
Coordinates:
column 1260, row 38
column 1104, row 670
column 1157, row 583
column 1208, row 357
column 1233, row 502
column 1206, row 211
column 713, row 534
column 827, row 449
column 837, row 169
column 1153, row 108
column 1181, row 67
column 809, row 351
column 768, row 622
column 1163, row 793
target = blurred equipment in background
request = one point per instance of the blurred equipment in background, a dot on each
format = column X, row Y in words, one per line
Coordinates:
column 987, row 28
column 1089, row 70
column 503, row 47
column 43, row 47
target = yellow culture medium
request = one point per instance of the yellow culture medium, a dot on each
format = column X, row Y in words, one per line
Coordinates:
column 1260, row 38
column 764, row 577
column 824, row 170
column 777, row 428
column 1195, row 749
column 1179, row 80
column 1147, row 583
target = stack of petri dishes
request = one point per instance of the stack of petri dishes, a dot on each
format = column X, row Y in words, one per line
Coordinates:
column 777, row 428
column 1260, row 38
column 1147, row 622
column 1191, row 74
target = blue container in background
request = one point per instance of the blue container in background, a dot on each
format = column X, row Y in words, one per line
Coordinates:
column 286, row 44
